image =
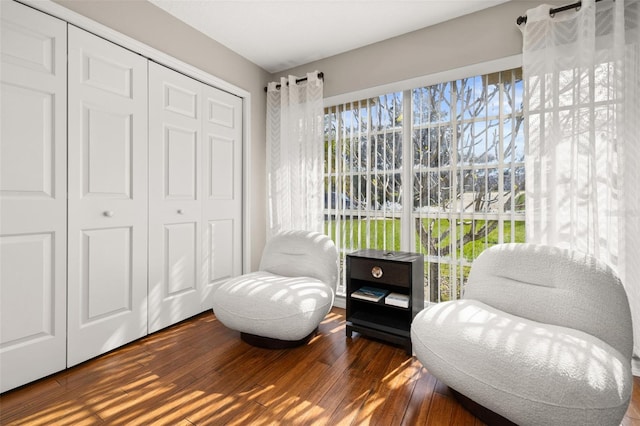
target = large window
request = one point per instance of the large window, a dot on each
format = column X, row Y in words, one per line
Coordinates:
column 437, row 169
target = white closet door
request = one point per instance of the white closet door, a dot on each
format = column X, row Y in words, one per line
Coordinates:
column 32, row 195
column 222, row 201
column 175, row 207
column 107, row 280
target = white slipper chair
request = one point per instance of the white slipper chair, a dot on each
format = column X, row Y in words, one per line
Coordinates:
column 282, row 304
column 542, row 336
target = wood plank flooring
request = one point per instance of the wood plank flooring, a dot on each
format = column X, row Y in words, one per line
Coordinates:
column 199, row 372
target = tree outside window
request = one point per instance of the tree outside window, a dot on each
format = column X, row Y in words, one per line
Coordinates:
column 442, row 164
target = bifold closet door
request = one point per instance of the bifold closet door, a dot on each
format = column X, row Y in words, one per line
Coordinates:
column 175, row 188
column 222, row 198
column 107, row 242
column 195, row 194
column 33, row 192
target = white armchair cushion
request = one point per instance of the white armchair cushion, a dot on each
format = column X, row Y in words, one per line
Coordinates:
column 554, row 286
column 302, row 253
column 269, row 305
column 289, row 296
column 542, row 336
column 529, row 372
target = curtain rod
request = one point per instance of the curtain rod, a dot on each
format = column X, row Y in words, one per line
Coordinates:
column 553, row 11
column 300, row 80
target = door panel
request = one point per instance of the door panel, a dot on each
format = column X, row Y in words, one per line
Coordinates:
column 222, row 109
column 175, row 206
column 106, row 150
column 107, row 75
column 107, row 280
column 107, row 284
column 222, row 185
column 221, row 265
column 27, row 260
column 27, row 156
column 222, row 205
column 180, row 251
column 180, row 163
column 182, row 98
column 33, row 203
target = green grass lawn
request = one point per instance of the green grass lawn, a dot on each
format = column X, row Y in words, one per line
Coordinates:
column 384, row 234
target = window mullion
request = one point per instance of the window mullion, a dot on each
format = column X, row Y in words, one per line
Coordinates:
column 501, row 143
column 368, row 171
column 406, row 224
column 453, row 214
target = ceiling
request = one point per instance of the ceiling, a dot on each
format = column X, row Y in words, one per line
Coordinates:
column 278, row 35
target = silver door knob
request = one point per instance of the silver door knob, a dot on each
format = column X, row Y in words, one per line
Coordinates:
column 108, row 213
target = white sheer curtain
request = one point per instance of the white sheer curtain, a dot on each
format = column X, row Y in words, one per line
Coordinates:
column 582, row 104
column 295, row 137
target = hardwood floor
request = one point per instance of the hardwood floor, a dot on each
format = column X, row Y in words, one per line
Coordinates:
column 200, row 373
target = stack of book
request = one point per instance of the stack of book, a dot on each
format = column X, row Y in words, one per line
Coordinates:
column 371, row 294
column 397, row 299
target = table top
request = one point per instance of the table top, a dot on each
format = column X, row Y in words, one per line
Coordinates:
column 399, row 256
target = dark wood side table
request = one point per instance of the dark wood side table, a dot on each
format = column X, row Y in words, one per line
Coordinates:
column 401, row 273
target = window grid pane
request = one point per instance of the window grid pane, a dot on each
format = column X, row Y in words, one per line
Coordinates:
column 466, row 184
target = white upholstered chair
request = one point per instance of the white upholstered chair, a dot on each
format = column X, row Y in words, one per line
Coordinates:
column 542, row 336
column 282, row 304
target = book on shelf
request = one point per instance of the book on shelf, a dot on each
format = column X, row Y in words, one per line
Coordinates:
column 397, row 299
column 369, row 293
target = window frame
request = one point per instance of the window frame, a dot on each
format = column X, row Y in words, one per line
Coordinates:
column 407, row 215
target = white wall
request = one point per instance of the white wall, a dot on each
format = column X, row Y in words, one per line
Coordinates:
column 479, row 37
